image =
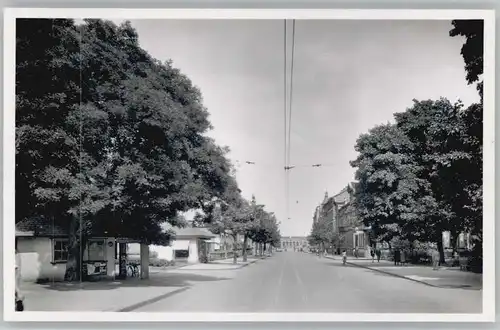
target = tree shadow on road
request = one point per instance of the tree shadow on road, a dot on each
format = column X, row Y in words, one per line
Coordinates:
column 167, row 280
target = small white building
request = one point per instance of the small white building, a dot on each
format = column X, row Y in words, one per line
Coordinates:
column 42, row 252
column 189, row 244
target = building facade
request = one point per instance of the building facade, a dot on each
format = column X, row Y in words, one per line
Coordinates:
column 294, row 243
column 353, row 236
column 42, row 253
column 316, row 214
column 340, row 212
column 329, row 212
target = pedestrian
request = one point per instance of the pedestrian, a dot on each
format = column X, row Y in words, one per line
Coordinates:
column 379, row 254
column 397, row 257
column 435, row 259
column 344, row 257
column 372, row 252
column 403, row 257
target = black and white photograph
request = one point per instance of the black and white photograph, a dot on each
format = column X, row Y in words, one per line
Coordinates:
column 249, row 165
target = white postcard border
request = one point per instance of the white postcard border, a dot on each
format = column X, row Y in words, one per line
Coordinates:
column 488, row 292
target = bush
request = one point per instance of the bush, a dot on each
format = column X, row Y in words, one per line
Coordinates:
column 475, row 261
column 159, row 263
column 203, row 259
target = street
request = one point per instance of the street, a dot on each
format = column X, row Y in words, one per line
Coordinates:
column 300, row 282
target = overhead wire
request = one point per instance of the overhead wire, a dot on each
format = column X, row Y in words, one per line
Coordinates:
column 285, row 149
column 279, row 166
column 290, row 106
column 291, row 93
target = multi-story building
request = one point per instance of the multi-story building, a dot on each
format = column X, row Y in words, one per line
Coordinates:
column 339, row 211
column 316, row 214
column 329, row 212
column 352, row 232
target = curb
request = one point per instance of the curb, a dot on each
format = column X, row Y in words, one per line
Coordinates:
column 387, row 273
column 166, row 269
column 394, row 275
column 151, row 300
column 444, row 286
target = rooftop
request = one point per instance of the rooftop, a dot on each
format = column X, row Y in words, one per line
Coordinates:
column 39, row 226
column 189, row 232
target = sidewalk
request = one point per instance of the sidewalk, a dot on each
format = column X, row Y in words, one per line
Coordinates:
column 101, row 296
column 127, row 295
column 445, row 277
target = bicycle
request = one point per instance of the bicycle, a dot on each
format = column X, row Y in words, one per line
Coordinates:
column 133, row 270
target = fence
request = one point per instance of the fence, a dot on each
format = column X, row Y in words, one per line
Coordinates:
column 219, row 255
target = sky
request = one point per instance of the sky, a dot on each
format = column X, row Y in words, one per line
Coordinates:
column 348, row 77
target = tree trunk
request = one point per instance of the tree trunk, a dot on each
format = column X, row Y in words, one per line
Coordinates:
column 245, row 238
column 454, row 238
column 122, row 260
column 235, row 249
column 76, row 246
column 440, row 249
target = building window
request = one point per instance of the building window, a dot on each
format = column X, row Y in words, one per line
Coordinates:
column 60, row 250
column 181, row 254
column 95, row 250
column 359, row 240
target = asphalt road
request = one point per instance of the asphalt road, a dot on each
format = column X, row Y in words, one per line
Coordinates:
column 299, row 282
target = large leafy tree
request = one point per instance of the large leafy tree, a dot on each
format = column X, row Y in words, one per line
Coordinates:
column 472, row 50
column 423, row 175
column 471, row 169
column 391, row 198
column 435, row 129
column 109, row 139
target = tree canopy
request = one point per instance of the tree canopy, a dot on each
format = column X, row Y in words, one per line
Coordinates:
column 422, row 175
column 108, row 138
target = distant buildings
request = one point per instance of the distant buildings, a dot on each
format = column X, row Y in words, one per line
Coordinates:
column 340, row 211
column 294, row 242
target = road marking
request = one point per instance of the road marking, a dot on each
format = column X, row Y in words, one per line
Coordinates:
column 278, row 287
column 152, row 300
column 301, row 284
column 419, row 278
